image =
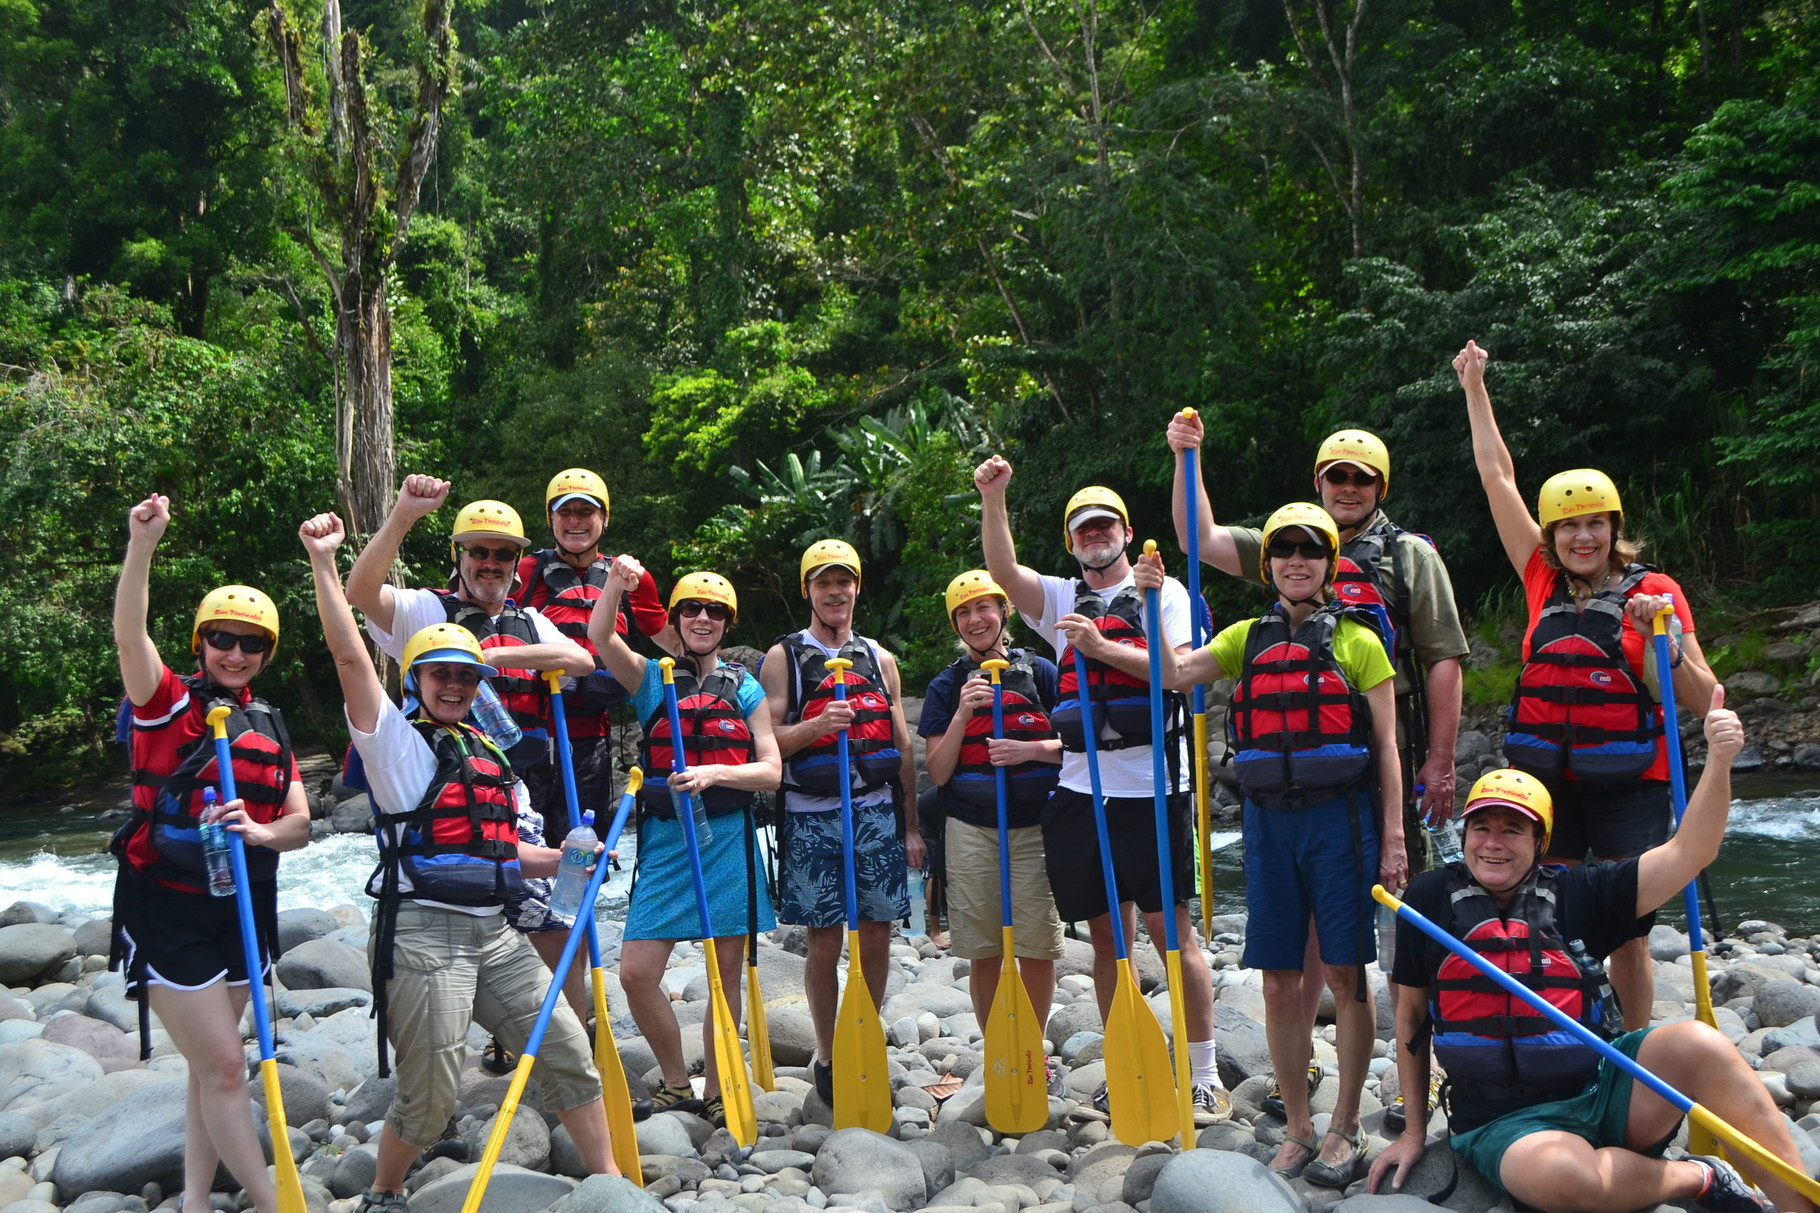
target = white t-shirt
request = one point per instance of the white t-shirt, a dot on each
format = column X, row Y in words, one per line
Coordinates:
column 399, row 767
column 415, row 610
column 1125, row 772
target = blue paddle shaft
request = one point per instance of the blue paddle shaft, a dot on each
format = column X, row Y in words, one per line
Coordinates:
column 1159, row 769
column 584, row 926
column 848, row 876
column 1004, row 821
column 565, row 756
column 243, row 901
column 1116, row 912
column 1191, row 476
column 685, row 810
column 1677, row 782
column 1555, row 1015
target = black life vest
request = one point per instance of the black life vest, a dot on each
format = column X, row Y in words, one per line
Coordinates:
column 459, row 845
column 569, row 597
column 163, row 838
column 714, row 732
column 524, row 692
column 1300, row 732
column 1117, row 699
column 1498, row 1051
column 871, row 746
column 974, row 784
column 1361, row 581
column 1578, row 706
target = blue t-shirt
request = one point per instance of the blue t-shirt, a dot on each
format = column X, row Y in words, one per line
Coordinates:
column 944, row 690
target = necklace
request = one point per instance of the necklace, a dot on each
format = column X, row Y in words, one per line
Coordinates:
column 1586, row 589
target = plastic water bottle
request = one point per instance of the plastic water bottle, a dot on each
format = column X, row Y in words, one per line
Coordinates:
column 572, row 870
column 1387, row 939
column 703, row 834
column 1446, row 839
column 491, row 717
column 217, row 851
column 914, row 882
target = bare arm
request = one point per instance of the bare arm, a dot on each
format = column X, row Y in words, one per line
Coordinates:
column 368, row 584
column 944, row 752
column 287, row 832
column 916, row 852
column 616, row 656
column 1186, row 433
column 1393, row 861
column 360, row 685
column 1024, row 585
column 564, row 655
column 1665, row 870
column 1445, row 679
column 141, row 669
column 1401, row 1156
column 774, row 676
column 1518, row 529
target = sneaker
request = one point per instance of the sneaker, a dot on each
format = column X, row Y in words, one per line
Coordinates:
column 675, row 1099
column 382, row 1202
column 1396, row 1116
column 1212, row 1105
column 497, row 1058
column 714, row 1111
column 1726, row 1190
column 823, row 1074
column 1273, row 1102
column 1102, row 1099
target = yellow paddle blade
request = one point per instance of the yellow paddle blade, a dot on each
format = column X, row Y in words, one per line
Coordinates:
column 758, row 1032
column 1139, row 1085
column 1017, row 1084
column 614, row 1092
column 862, row 1085
column 1752, row 1156
column 1178, row 1021
column 284, row 1164
column 729, row 1061
column 508, row 1108
column 1701, row 1140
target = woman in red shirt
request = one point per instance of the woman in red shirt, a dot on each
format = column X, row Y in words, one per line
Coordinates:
column 1586, row 718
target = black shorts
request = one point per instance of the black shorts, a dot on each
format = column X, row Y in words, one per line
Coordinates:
column 188, row 941
column 1612, row 820
column 1071, row 852
column 592, row 758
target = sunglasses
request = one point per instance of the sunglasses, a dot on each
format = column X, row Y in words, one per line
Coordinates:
column 716, row 611
column 1283, row 549
column 1340, row 477
column 251, row 643
column 504, row 555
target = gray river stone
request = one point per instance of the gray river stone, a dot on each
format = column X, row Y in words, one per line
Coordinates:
column 33, row 1072
column 319, row 964
column 527, row 1142
column 852, row 1160
column 108, row 1045
column 612, row 1194
column 509, row 1190
column 665, row 1133
column 30, row 949
column 1208, row 1181
column 140, row 1138
column 303, row 924
column 1783, row 1002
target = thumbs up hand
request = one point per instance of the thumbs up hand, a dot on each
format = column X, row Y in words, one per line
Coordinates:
column 1724, row 731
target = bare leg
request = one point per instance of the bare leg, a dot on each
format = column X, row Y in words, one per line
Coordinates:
column 205, row 1025
column 1105, row 963
column 1289, row 1042
column 587, row 1125
column 1633, row 982
column 730, row 953
column 1197, row 979
column 549, row 945
column 1355, row 1025
column 395, row 1158
column 875, row 958
column 641, row 970
column 821, row 985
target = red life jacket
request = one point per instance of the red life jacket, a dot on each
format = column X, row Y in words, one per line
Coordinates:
column 163, row 838
column 1116, row 698
column 524, row 692
column 1300, row 733
column 871, row 746
column 1498, row 1051
column 974, row 784
column 459, row 845
column 1578, row 706
column 714, row 732
column 568, row 601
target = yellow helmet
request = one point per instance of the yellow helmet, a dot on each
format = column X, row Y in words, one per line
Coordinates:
column 1356, row 446
column 445, row 642
column 575, row 482
column 824, row 552
column 1093, row 495
column 486, row 519
column 974, row 583
column 1311, row 518
column 706, row 587
column 1514, row 790
column 237, row 602
column 1581, row 491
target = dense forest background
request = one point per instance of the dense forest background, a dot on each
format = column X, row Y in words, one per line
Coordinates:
column 782, row 270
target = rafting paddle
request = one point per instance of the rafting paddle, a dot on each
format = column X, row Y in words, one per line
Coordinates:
column 758, row 1032
column 1139, row 1086
column 1159, row 775
column 1203, row 792
column 1698, row 1115
column 729, row 1059
column 584, row 927
column 1017, row 1087
column 862, row 1090
column 284, row 1163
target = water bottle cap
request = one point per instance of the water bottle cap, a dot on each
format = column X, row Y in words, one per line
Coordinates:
column 587, row 817
column 208, row 796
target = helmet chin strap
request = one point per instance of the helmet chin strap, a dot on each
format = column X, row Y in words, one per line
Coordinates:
column 1117, row 553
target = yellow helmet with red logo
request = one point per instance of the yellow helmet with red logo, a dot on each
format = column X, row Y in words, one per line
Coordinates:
column 1100, row 500
column 484, row 520
column 706, row 587
column 1514, row 790
column 1359, row 447
column 974, row 583
column 575, row 482
column 448, row 642
column 1581, row 491
column 825, row 552
column 239, row 603
column 1309, row 517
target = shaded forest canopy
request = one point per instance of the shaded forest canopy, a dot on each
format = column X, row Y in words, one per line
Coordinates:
column 785, row 270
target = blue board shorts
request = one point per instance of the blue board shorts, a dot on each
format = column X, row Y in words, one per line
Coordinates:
column 1320, row 861
column 811, row 881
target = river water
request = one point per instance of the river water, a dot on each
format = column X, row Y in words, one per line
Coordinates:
column 1769, row 867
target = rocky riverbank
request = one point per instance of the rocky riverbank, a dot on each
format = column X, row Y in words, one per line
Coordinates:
column 85, row 1127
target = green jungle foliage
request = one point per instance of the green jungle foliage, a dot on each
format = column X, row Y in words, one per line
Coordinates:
column 785, row 270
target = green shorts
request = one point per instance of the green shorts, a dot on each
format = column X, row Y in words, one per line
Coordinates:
column 1599, row 1114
